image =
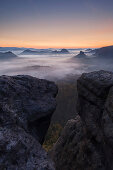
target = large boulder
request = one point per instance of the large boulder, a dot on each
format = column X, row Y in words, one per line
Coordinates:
column 26, row 107
column 86, row 143
column 28, row 102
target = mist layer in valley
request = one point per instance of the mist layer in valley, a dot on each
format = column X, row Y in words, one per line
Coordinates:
column 63, row 68
column 54, row 66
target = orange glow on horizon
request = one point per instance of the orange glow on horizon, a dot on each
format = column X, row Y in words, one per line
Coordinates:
column 56, row 34
column 87, row 24
column 60, row 47
column 26, row 45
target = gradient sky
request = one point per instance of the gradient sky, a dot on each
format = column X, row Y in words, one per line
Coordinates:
column 56, row 23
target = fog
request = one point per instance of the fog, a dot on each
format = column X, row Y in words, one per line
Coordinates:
column 53, row 67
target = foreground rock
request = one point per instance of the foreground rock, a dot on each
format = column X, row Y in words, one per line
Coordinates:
column 26, row 107
column 20, row 151
column 86, row 142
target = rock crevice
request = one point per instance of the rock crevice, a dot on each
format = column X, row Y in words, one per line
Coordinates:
column 86, row 142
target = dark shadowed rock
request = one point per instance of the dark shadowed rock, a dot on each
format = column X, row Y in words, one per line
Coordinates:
column 87, row 142
column 93, row 90
column 26, row 107
column 28, row 102
column 74, row 151
column 20, row 151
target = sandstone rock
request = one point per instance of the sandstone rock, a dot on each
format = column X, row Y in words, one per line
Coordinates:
column 26, row 107
column 93, row 89
column 27, row 102
column 86, row 143
column 20, row 151
column 74, row 150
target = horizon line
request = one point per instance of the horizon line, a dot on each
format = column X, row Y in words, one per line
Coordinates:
column 53, row 47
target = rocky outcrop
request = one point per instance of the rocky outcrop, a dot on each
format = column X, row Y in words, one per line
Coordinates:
column 26, row 107
column 81, row 55
column 86, row 142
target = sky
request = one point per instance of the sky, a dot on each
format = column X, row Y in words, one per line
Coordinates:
column 56, row 23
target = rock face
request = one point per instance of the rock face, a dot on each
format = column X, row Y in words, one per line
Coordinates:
column 20, row 151
column 86, row 142
column 26, row 107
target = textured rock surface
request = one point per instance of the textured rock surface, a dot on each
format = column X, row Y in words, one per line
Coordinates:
column 86, row 143
column 28, row 102
column 20, row 151
column 26, row 107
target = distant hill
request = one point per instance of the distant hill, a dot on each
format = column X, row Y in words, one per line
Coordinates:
column 7, row 55
column 35, row 52
column 88, row 50
column 63, row 51
column 44, row 51
column 29, row 52
column 11, row 49
column 15, row 49
column 104, row 52
column 81, row 55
